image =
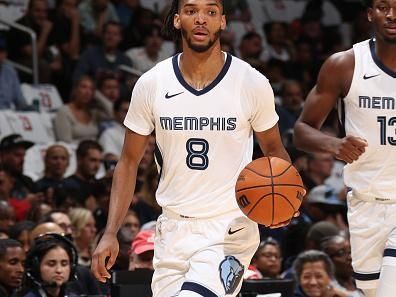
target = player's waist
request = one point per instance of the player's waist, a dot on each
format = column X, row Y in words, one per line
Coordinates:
column 368, row 197
column 167, row 212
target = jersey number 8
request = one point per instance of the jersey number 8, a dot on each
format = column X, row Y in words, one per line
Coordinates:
column 197, row 154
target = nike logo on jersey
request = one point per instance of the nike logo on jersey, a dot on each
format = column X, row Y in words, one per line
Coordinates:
column 369, row 76
column 230, row 232
column 167, row 96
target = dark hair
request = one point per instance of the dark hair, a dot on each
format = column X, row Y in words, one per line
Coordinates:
column 86, row 145
column 169, row 29
column 152, row 29
column 268, row 241
column 16, row 230
column 8, row 243
column 311, row 256
column 368, row 3
column 104, row 76
column 111, row 23
column 118, row 103
column 42, row 245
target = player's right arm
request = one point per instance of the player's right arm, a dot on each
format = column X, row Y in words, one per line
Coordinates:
column 333, row 82
column 122, row 190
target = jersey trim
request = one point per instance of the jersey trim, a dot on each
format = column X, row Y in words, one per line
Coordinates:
column 366, row 276
column 197, row 288
column 378, row 61
column 214, row 83
column 159, row 159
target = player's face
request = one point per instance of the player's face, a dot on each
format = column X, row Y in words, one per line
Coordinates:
column 314, row 279
column 200, row 22
column 383, row 16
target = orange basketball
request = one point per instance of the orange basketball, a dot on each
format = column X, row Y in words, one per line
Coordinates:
column 269, row 191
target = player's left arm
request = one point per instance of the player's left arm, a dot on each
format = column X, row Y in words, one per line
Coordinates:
column 271, row 144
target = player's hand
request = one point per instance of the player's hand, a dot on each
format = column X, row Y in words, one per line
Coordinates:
column 284, row 224
column 350, row 148
column 107, row 249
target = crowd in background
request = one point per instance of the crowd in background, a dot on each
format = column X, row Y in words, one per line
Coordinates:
column 93, row 52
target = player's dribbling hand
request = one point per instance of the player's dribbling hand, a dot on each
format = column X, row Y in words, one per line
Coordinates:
column 350, row 148
column 107, row 249
column 284, row 224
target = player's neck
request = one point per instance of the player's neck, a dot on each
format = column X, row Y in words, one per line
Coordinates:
column 200, row 69
column 386, row 53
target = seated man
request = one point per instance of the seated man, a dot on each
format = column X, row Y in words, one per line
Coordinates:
column 12, row 268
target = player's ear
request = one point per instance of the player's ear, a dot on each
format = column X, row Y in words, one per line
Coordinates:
column 223, row 22
column 370, row 14
column 176, row 21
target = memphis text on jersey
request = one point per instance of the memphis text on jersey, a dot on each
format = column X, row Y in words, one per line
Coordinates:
column 376, row 102
column 198, row 123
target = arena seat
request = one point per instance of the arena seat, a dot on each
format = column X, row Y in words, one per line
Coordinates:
column 268, row 288
column 45, row 94
column 128, row 283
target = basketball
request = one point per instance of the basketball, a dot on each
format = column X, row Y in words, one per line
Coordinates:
column 269, row 191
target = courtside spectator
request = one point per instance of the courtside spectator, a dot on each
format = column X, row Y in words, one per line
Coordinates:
column 20, row 231
column 56, row 161
column 84, row 232
column 12, row 258
column 61, row 219
column 78, row 120
column 12, row 157
column 50, row 60
column 267, row 261
column 338, row 248
column 89, row 158
column 103, row 57
column 11, row 96
column 112, row 138
column 146, row 57
column 291, row 103
column 319, row 168
column 142, row 251
column 131, row 223
column 7, row 216
column 94, row 15
column 67, row 37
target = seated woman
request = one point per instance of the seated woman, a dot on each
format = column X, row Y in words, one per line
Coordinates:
column 79, row 119
column 267, row 261
column 314, row 273
column 50, row 265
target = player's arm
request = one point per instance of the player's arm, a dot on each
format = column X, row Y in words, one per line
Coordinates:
column 271, row 144
column 122, row 190
column 333, row 83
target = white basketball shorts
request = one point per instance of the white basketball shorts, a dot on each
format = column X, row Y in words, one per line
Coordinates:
column 372, row 227
column 207, row 257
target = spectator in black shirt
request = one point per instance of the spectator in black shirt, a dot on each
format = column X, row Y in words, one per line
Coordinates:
column 12, row 156
column 56, row 162
column 89, row 158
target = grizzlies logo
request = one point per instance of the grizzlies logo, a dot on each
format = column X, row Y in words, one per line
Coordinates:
column 231, row 272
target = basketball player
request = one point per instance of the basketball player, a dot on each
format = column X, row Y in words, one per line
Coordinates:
column 204, row 105
column 365, row 78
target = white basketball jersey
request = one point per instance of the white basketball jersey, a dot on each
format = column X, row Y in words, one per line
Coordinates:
column 370, row 114
column 204, row 137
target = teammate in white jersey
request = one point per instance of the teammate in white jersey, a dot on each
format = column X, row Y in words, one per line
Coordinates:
column 365, row 79
column 203, row 105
